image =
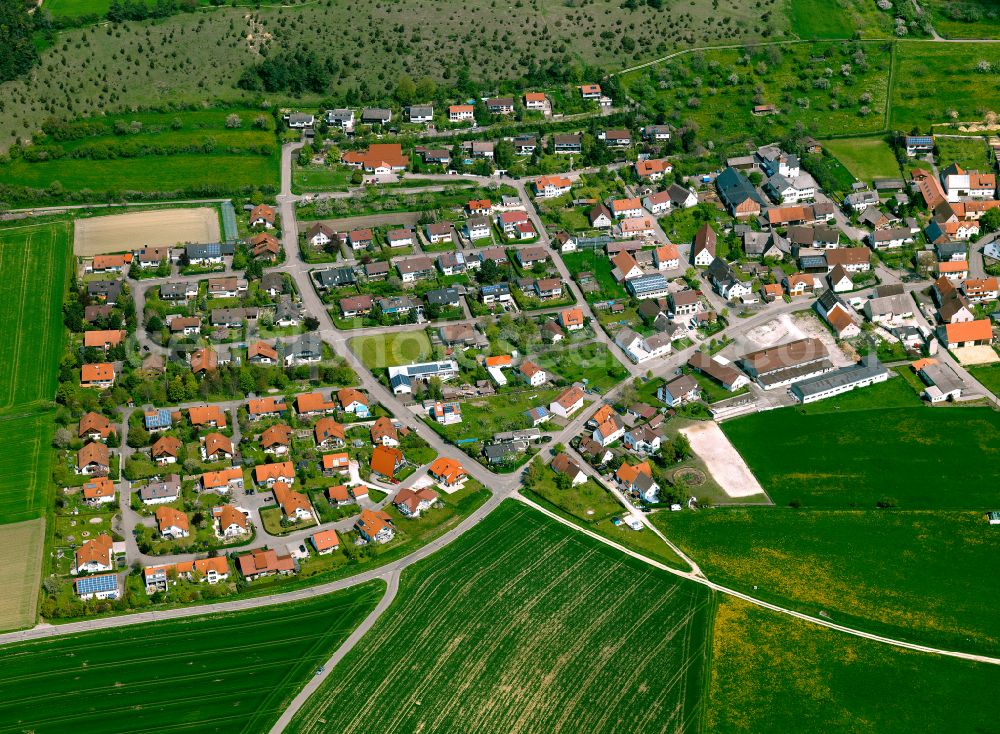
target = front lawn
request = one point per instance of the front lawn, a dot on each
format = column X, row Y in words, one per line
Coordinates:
column 271, row 518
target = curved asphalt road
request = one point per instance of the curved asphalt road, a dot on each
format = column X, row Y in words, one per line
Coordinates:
column 501, row 486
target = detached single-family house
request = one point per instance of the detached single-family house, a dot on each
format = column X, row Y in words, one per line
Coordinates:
column 564, row 465
column 568, row 402
column 375, row 526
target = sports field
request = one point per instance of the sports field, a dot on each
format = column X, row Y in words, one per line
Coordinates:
column 230, row 672
column 524, row 625
column 866, row 158
column 121, row 232
column 21, row 547
column 773, row 673
column 835, row 561
column 33, row 263
column 862, row 448
column 390, row 350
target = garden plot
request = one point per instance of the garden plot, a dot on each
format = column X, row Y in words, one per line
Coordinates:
column 122, row 232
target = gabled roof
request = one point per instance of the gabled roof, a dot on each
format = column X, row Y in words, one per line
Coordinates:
column 385, row 460
column 277, row 435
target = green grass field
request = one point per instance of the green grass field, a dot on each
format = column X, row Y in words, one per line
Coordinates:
column 192, row 150
column 483, row 417
column 596, row 262
column 220, row 672
column 76, row 8
column 933, row 79
column 325, row 178
column 592, row 362
column 855, row 450
column 24, row 466
column 774, row 674
column 866, row 158
column 523, row 625
column 969, row 153
column 390, row 350
column 819, row 19
column 835, row 562
column 149, row 174
column 21, row 546
column 33, row 272
column 975, row 19
column 989, row 376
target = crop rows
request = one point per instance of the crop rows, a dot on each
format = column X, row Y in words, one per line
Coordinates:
column 224, row 672
column 33, row 261
column 524, row 626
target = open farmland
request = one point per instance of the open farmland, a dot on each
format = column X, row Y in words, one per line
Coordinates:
column 717, row 89
column 390, row 350
column 825, row 560
column 24, row 465
column 774, row 673
column 822, row 456
column 33, row 270
column 866, row 158
column 221, row 672
column 21, row 547
column 122, row 232
column 524, row 625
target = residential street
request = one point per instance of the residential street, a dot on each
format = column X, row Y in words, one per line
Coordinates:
column 501, row 486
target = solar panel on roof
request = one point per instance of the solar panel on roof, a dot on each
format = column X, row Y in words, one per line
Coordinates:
column 93, row 584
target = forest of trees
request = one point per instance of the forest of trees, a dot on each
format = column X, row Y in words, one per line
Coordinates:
column 17, row 52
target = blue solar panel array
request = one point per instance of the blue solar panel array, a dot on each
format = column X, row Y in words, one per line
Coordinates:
column 160, row 419
column 95, row 584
